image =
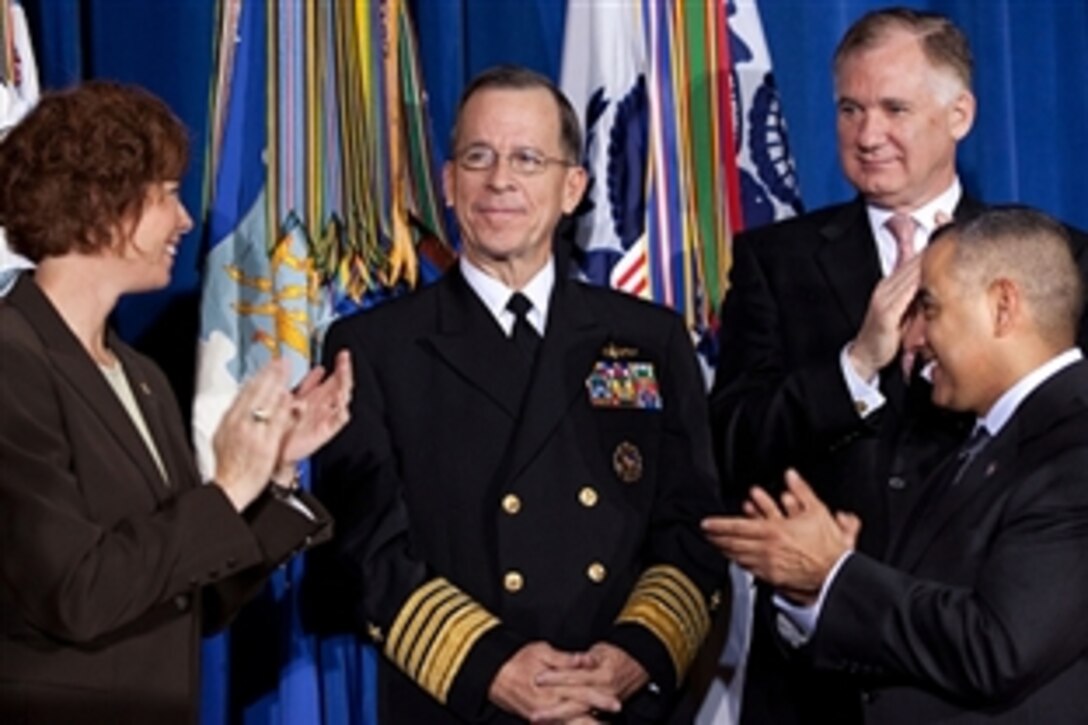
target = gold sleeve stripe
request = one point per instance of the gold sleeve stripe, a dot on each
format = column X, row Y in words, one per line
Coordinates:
column 688, row 599
column 433, row 633
column 450, row 653
column 669, row 604
column 687, row 604
column 398, row 639
column 688, row 636
column 421, row 638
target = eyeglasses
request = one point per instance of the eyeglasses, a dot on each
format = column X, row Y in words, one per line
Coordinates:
column 522, row 161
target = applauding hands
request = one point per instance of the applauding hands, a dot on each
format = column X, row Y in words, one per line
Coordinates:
column 268, row 428
column 792, row 544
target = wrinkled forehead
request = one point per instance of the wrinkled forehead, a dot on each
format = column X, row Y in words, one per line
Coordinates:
column 897, row 65
column 510, row 116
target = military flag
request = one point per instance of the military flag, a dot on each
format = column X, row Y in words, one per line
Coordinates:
column 320, row 199
column 686, row 146
column 684, row 142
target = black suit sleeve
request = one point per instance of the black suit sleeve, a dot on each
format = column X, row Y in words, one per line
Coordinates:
column 988, row 642
column 434, row 632
column 769, row 411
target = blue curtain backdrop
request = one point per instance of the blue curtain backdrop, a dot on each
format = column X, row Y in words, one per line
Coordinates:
column 1029, row 142
column 1031, row 78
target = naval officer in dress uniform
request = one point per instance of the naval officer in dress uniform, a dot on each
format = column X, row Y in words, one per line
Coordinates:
column 519, row 491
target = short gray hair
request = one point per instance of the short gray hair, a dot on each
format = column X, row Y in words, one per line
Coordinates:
column 945, row 46
column 513, row 77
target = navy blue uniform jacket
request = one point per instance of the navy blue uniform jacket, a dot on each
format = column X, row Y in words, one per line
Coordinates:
column 480, row 515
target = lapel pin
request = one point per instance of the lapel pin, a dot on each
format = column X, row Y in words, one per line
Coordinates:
column 145, row 388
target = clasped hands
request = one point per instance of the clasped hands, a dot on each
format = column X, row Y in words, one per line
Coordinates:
column 546, row 685
column 792, row 544
column 269, row 428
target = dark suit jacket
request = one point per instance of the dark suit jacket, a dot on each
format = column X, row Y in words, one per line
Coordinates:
column 102, row 561
column 477, row 521
column 799, row 292
column 979, row 616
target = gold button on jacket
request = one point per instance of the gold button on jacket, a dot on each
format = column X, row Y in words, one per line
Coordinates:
column 596, row 572
column 511, row 504
column 513, row 581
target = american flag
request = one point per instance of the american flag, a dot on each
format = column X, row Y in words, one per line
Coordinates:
column 685, row 145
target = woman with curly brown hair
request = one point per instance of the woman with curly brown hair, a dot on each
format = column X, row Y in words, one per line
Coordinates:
column 112, row 555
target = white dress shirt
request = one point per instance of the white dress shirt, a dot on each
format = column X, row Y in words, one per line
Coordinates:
column 494, row 294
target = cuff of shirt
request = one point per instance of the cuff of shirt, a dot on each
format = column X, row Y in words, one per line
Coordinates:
column 865, row 393
column 796, row 623
column 296, row 503
column 286, row 494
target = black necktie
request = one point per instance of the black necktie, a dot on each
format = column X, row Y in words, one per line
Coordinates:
column 525, row 335
column 969, row 451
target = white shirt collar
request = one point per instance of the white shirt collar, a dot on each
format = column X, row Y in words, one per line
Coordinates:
column 1001, row 411
column 494, row 294
column 925, row 216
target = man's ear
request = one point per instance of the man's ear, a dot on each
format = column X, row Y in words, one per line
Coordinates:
column 961, row 114
column 574, row 187
column 447, row 183
column 1006, row 304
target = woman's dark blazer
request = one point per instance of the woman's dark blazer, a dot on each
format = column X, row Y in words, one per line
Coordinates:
column 108, row 570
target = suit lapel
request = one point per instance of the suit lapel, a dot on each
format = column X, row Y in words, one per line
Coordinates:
column 968, row 207
column 72, row 362
column 572, row 339
column 849, row 261
column 472, row 343
column 156, row 411
column 984, row 477
column 979, row 482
